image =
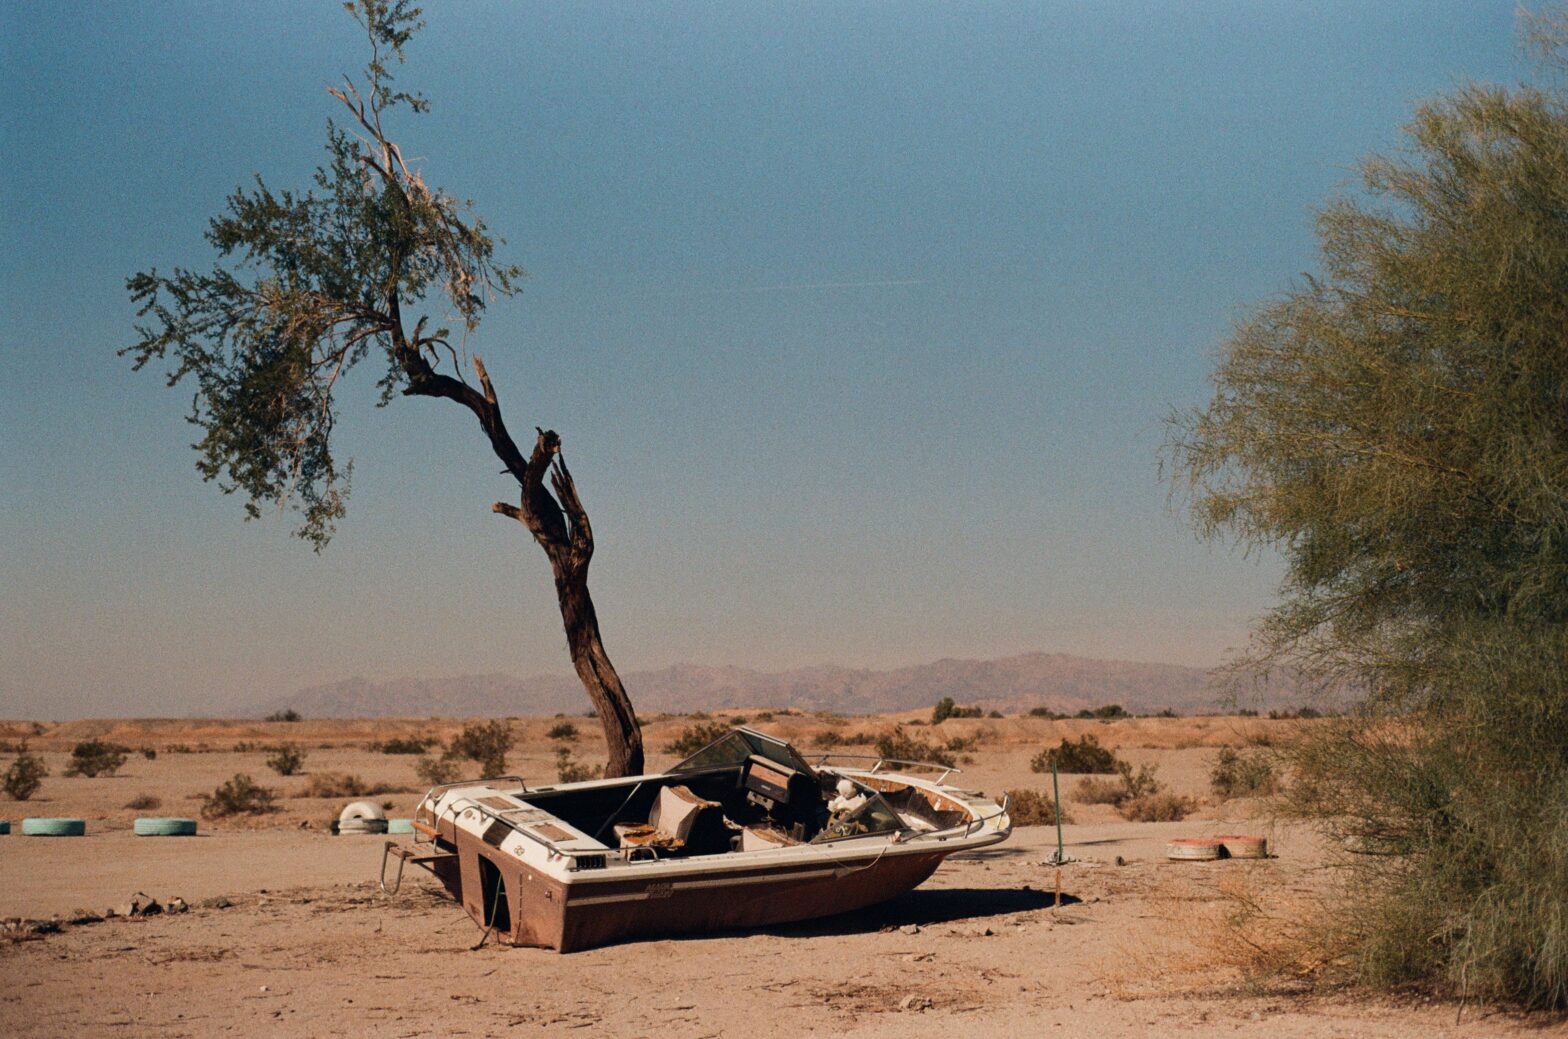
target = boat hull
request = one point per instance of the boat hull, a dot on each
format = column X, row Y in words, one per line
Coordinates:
column 531, row 908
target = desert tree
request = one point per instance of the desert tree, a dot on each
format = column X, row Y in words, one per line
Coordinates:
column 372, row 264
column 1397, row 428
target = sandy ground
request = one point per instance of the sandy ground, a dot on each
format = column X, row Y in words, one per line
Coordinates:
column 307, row 946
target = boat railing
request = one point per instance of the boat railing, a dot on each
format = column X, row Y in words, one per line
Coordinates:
column 878, row 762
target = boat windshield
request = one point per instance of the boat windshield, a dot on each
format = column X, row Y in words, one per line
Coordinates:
column 875, row 816
column 735, row 746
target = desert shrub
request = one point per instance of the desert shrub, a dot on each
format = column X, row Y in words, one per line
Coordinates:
column 345, row 784
column 1043, row 712
column 562, row 731
column 825, row 738
column 436, row 771
column 96, row 758
column 1092, row 790
column 570, row 770
column 901, row 746
column 144, row 803
column 945, row 708
column 1034, row 808
column 286, row 759
column 959, row 744
column 24, row 776
column 1138, row 784
column 239, row 795
column 1109, row 711
column 1082, row 756
column 150, row 753
column 764, row 716
column 404, row 745
column 996, row 714
column 739, row 719
column 695, row 737
column 1242, row 775
column 290, row 715
column 486, row 743
column 859, row 739
column 1155, row 808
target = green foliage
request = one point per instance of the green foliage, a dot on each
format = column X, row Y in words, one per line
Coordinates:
column 1242, row 774
column 1397, row 427
column 24, row 776
column 290, row 715
column 1043, row 712
column 309, row 285
column 562, row 731
column 286, row 759
column 436, row 771
column 569, row 770
column 96, row 758
column 404, row 745
column 486, row 743
column 900, row 746
column 1081, row 756
column 1034, row 808
column 945, row 708
column 1105, row 713
column 239, row 795
column 695, row 737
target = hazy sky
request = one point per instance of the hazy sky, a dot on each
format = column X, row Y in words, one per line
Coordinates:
column 859, row 321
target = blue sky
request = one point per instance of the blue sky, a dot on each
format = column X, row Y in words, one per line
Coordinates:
column 860, row 322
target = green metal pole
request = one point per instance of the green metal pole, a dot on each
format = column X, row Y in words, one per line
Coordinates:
column 1056, row 792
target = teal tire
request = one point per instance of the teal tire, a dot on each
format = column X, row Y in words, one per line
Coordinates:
column 165, row 827
column 400, row 826
column 54, row 827
column 5, row 826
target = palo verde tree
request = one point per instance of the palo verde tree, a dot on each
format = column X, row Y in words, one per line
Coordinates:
column 1397, row 428
column 307, row 287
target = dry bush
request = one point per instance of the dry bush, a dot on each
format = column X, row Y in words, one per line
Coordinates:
column 344, row 784
column 94, row 758
column 1092, row 790
column 290, row 715
column 437, row 771
column 695, row 737
column 1242, row 774
column 486, row 743
column 404, row 745
column 238, row 796
column 569, row 770
column 1156, row 808
column 900, row 746
column 1082, row 756
column 25, row 775
column 286, row 759
column 561, row 731
column 1034, row 808
column 144, row 803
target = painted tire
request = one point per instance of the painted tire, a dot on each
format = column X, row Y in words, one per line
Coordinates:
column 362, row 817
column 400, row 826
column 1193, row 849
column 1244, row 845
column 165, row 827
column 54, row 827
column 5, row 826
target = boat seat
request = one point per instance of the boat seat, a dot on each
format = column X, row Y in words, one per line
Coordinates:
column 764, row 838
column 681, row 819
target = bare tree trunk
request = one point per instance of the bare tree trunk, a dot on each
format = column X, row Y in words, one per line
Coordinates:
column 559, row 525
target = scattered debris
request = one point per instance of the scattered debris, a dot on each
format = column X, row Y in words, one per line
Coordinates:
column 915, row 1004
column 910, row 929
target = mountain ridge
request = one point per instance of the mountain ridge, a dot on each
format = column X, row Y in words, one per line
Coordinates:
column 1060, row 681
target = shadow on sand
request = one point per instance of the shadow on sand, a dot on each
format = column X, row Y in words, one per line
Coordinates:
column 924, row 907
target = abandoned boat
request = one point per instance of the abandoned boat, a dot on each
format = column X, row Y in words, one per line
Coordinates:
column 743, row 833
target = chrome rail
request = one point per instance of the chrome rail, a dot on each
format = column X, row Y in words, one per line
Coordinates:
column 878, row 762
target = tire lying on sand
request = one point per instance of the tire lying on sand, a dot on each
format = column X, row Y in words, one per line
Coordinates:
column 54, row 827
column 5, row 826
column 165, row 827
column 1194, row 849
column 400, row 826
column 1244, row 845
column 362, row 817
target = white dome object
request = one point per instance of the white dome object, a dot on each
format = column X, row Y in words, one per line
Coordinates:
column 362, row 817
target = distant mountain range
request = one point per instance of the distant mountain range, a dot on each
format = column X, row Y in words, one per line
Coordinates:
column 1055, row 680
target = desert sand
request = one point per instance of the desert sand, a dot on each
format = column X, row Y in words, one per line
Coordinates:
column 288, row 934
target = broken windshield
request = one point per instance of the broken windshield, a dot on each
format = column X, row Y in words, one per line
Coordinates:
column 734, row 747
column 875, row 816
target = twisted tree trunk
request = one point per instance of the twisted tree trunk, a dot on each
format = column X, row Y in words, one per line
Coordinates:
column 559, row 524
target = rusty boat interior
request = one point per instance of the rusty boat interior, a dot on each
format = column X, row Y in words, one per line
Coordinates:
column 743, row 833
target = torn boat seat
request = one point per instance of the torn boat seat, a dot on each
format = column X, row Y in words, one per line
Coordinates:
column 764, row 838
